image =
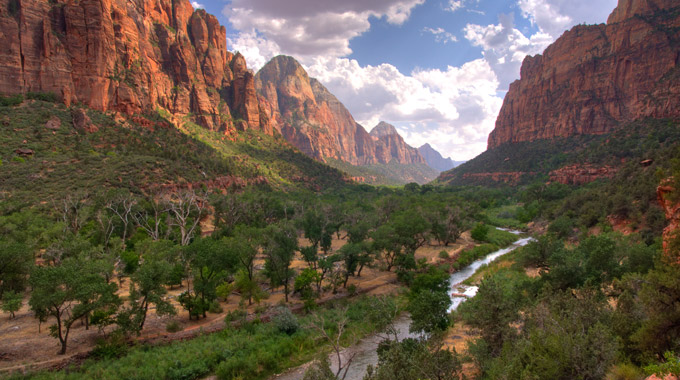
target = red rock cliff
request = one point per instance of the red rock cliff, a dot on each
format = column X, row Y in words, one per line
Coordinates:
column 127, row 56
column 595, row 77
column 316, row 122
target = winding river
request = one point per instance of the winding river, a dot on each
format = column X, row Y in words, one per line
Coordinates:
column 365, row 351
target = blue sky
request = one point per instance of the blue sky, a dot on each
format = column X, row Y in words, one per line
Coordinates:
column 436, row 69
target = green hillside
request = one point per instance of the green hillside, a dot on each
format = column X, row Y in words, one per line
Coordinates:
column 123, row 154
column 535, row 160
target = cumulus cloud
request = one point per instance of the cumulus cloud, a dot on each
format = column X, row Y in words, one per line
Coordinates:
column 453, row 109
column 504, row 47
column 196, row 5
column 555, row 16
column 314, row 27
column 441, row 35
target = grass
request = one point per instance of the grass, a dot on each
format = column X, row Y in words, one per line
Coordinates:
column 254, row 351
column 491, row 269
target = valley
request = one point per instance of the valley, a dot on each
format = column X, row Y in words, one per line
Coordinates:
column 167, row 212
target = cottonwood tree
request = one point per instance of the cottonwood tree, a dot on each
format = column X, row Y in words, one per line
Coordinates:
column 279, row 249
column 151, row 216
column 187, row 209
column 448, row 224
column 69, row 292
column 122, row 206
column 147, row 287
column 73, row 211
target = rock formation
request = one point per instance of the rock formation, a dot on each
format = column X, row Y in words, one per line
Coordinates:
column 435, row 159
column 129, row 56
column 595, row 77
column 315, row 121
column 391, row 145
column 581, row 174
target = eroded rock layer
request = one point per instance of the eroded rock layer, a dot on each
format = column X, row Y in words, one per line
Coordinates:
column 595, row 77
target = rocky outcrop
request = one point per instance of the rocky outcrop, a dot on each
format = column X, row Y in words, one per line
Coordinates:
column 129, row 56
column 581, row 174
column 510, row 178
column 435, row 159
column 595, row 77
column 317, row 123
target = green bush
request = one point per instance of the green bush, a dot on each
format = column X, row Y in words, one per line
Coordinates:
column 285, row 321
column 173, row 327
column 10, row 101
column 44, row 96
column 443, row 255
column 479, row 232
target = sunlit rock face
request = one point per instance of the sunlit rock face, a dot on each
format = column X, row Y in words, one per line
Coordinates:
column 595, row 77
column 127, row 56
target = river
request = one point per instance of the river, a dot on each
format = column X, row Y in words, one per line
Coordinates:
column 365, row 351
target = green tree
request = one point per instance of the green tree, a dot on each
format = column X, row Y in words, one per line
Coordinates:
column 147, row 288
column 279, row 249
column 68, row 292
column 479, row 232
column 11, row 302
column 16, row 261
column 415, row 359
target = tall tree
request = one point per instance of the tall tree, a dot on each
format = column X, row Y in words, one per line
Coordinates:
column 280, row 248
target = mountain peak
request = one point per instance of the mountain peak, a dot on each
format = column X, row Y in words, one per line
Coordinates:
column 435, row 160
column 384, row 129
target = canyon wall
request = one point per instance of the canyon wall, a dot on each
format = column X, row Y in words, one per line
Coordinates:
column 595, row 77
column 128, row 56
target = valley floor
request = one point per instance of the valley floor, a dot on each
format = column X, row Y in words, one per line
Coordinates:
column 27, row 344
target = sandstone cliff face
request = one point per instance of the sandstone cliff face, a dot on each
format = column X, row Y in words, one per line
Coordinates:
column 595, row 77
column 581, row 174
column 315, row 121
column 128, row 56
column 390, row 144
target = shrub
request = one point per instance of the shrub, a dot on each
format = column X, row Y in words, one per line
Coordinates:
column 285, row 321
column 352, row 290
column 479, row 232
column 173, row 327
column 443, row 255
column 44, row 96
column 10, row 101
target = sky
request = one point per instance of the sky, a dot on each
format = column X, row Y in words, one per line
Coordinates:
column 436, row 69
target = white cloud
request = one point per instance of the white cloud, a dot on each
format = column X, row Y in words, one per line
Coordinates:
column 308, row 28
column 196, row 5
column 555, row 16
column 454, row 109
column 454, row 5
column 256, row 50
column 441, row 35
column 505, row 47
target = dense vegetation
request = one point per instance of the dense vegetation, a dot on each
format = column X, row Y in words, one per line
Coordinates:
column 630, row 144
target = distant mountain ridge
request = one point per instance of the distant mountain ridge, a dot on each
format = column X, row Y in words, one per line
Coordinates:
column 315, row 121
column 435, row 160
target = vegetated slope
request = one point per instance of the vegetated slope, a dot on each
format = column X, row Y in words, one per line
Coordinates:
column 595, row 77
column 130, row 57
column 44, row 157
column 569, row 160
column 315, row 121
